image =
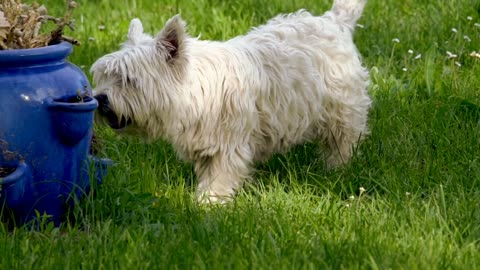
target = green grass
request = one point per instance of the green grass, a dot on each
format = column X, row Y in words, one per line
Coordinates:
column 420, row 166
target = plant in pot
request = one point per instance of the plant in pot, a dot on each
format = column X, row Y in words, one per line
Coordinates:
column 46, row 116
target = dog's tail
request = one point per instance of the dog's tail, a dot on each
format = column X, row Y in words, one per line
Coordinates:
column 348, row 11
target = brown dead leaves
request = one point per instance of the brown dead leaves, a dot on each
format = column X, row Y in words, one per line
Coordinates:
column 4, row 26
column 21, row 25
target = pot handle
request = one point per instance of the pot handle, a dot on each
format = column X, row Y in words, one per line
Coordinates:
column 20, row 172
column 71, row 118
column 16, row 185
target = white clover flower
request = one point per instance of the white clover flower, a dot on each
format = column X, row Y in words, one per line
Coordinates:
column 396, row 40
column 454, row 30
column 418, row 56
column 404, row 69
column 458, row 64
column 467, row 38
column 410, row 51
column 469, row 18
column 451, row 55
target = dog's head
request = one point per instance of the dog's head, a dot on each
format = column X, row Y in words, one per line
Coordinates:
column 136, row 84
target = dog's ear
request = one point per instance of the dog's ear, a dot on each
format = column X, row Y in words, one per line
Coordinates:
column 135, row 31
column 171, row 39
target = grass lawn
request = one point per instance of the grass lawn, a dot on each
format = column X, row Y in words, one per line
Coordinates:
column 419, row 168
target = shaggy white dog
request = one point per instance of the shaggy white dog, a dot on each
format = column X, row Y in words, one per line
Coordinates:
column 226, row 105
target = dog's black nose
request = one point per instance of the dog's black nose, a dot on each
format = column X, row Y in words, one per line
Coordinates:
column 102, row 101
column 105, row 111
column 104, row 105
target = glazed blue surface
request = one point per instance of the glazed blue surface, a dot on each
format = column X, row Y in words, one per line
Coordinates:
column 45, row 132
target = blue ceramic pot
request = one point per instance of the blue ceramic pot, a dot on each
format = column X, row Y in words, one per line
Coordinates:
column 46, row 119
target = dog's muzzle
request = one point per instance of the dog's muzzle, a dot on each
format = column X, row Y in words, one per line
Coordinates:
column 105, row 111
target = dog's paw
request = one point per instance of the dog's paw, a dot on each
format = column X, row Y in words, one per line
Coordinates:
column 208, row 197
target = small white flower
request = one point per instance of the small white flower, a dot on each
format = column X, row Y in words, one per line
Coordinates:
column 362, row 189
column 469, row 18
column 454, row 30
column 101, row 27
column 410, row 51
column 352, row 197
column 451, row 55
column 404, row 69
column 476, row 24
column 347, row 205
column 418, row 56
column 475, row 54
column 396, row 40
column 467, row 38
column 82, row 66
column 360, row 25
column 407, row 193
column 458, row 64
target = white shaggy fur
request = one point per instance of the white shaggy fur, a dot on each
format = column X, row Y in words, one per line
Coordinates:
column 226, row 105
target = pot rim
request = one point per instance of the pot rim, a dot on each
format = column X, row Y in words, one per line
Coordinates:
column 56, row 53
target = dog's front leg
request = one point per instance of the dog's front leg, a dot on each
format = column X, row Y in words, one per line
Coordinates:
column 220, row 175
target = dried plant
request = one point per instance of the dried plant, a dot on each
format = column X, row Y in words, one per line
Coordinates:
column 20, row 25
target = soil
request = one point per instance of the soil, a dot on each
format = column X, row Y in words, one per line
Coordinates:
column 73, row 99
column 6, row 171
column 78, row 98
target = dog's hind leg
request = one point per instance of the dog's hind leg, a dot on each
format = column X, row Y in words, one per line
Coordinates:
column 345, row 127
column 339, row 145
column 221, row 175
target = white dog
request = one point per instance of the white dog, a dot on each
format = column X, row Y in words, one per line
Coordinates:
column 226, row 105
